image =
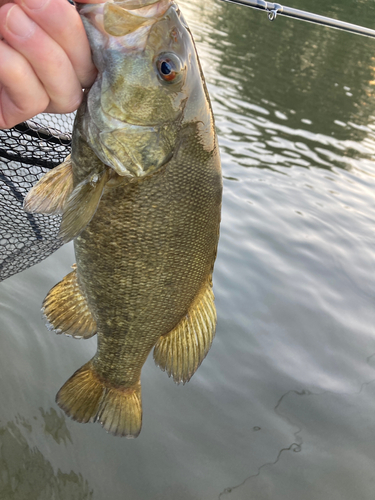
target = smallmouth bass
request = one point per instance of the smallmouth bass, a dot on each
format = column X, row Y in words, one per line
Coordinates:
column 140, row 196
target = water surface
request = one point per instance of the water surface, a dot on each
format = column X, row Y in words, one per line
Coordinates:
column 284, row 405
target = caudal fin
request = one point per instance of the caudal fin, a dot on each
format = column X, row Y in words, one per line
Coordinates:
column 85, row 398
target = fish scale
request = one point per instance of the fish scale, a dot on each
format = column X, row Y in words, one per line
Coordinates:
column 143, row 207
column 140, row 287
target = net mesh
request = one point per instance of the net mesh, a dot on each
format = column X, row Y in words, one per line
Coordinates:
column 27, row 152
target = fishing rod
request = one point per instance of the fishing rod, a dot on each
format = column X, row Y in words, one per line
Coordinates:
column 275, row 9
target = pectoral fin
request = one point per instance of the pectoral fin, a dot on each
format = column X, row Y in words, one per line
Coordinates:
column 181, row 351
column 50, row 194
column 67, row 311
column 82, row 204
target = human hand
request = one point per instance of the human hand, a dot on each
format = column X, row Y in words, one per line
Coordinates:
column 45, row 59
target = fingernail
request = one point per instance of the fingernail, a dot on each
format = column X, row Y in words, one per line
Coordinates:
column 35, row 4
column 18, row 23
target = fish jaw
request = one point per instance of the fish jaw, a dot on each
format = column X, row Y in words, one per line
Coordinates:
column 132, row 17
column 132, row 151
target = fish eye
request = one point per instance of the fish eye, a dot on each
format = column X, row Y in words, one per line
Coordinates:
column 169, row 67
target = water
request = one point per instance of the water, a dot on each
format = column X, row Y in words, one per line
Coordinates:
column 284, row 405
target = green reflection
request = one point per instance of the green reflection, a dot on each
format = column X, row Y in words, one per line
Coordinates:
column 55, row 426
column 25, row 474
column 298, row 66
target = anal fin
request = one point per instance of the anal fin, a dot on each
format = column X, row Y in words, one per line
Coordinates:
column 181, row 351
column 51, row 192
column 67, row 311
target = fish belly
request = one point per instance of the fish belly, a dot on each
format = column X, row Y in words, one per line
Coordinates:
column 144, row 258
column 143, row 279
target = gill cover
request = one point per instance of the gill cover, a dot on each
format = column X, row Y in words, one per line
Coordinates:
column 135, row 108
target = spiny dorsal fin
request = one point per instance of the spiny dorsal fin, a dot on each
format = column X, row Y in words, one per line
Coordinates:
column 51, row 192
column 67, row 311
column 82, row 204
column 181, row 351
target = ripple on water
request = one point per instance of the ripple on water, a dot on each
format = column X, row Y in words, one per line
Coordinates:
column 294, row 286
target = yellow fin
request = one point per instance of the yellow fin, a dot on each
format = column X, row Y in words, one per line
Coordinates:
column 50, row 193
column 86, row 398
column 121, row 411
column 81, row 395
column 82, row 204
column 182, row 350
column 67, row 311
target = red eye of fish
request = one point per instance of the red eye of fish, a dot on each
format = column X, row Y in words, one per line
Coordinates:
column 169, row 67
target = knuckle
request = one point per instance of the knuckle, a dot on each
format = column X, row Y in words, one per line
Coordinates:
column 67, row 104
column 74, row 104
column 16, row 72
column 13, row 111
column 31, row 107
column 88, row 78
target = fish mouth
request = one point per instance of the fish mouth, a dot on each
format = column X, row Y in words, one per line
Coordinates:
column 136, row 4
column 122, row 18
column 125, row 4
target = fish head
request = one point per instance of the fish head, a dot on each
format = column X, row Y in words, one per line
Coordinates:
column 149, row 83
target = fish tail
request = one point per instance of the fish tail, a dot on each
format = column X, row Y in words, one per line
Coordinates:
column 86, row 398
column 121, row 411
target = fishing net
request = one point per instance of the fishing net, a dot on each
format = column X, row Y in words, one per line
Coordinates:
column 27, row 152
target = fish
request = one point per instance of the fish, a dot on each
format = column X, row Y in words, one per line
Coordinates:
column 140, row 196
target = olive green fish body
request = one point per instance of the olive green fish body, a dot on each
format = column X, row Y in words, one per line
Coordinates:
column 146, row 255
column 141, row 198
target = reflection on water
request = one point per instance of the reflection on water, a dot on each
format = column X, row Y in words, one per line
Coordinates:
column 291, row 70
column 338, row 438
column 54, row 425
column 283, row 406
column 272, row 87
column 25, row 474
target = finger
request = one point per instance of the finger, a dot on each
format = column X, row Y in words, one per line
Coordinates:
column 18, row 101
column 60, row 20
column 47, row 58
